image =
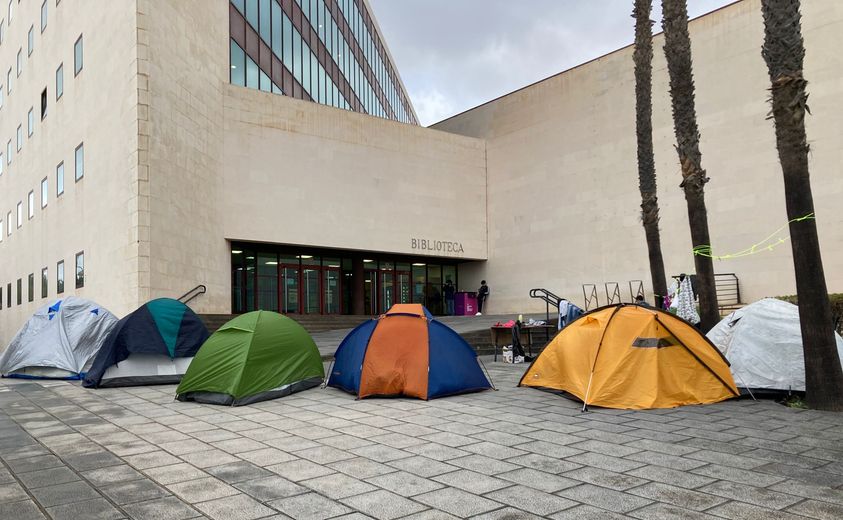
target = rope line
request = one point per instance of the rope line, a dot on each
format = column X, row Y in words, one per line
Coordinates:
column 772, row 241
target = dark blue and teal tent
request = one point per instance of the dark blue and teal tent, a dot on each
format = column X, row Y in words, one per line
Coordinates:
column 152, row 345
column 406, row 352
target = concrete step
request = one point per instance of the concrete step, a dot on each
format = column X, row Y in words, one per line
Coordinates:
column 311, row 323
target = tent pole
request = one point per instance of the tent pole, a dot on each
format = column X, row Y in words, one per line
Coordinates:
column 747, row 388
column 488, row 376
column 325, row 381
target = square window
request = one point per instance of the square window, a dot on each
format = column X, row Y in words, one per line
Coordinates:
column 30, row 123
column 44, row 283
column 30, row 40
column 80, row 161
column 20, row 291
column 9, row 152
column 60, row 277
column 60, row 179
column 30, row 205
column 9, row 224
column 11, row 10
column 45, row 191
column 44, row 16
column 20, row 137
column 80, row 270
column 9, row 294
column 19, row 62
column 20, row 214
column 9, row 81
column 2, row 31
column 59, row 81
column 77, row 56
column 31, row 286
column 43, row 104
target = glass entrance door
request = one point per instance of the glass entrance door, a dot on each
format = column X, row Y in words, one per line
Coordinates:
column 289, row 289
column 333, row 295
column 310, row 291
column 402, row 286
column 370, row 295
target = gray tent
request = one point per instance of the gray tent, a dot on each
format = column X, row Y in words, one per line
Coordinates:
column 59, row 341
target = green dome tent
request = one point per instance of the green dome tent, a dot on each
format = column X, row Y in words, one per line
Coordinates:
column 257, row 356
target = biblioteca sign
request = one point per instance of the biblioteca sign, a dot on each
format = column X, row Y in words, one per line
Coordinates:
column 436, row 246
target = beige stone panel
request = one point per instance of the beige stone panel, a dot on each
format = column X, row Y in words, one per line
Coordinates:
column 188, row 67
column 562, row 174
column 302, row 173
column 98, row 107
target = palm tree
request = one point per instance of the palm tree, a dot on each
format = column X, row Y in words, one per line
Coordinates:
column 677, row 50
column 643, row 59
column 784, row 52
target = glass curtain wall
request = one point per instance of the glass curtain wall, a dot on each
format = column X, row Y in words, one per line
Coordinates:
column 326, row 51
column 263, row 277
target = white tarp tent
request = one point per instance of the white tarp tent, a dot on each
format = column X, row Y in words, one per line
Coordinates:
column 59, row 341
column 763, row 343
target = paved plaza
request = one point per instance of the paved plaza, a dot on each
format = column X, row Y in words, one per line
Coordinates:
column 68, row 452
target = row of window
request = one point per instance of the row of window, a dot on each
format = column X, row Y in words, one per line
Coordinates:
column 78, row 62
column 11, row 12
column 79, row 282
column 79, row 172
column 275, row 28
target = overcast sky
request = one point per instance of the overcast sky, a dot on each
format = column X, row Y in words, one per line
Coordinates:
column 456, row 54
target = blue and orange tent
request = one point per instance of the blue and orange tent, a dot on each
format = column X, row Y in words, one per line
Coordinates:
column 406, row 352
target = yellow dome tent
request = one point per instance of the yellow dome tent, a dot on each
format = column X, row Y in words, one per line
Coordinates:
column 633, row 357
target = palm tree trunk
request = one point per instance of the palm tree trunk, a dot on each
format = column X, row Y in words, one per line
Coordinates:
column 677, row 49
column 643, row 59
column 784, row 52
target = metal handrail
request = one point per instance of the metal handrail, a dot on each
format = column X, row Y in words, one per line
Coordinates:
column 193, row 293
column 549, row 299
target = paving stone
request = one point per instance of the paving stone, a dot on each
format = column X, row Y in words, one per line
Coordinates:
column 20, row 510
column 151, row 459
column 604, row 478
column 484, row 465
column 133, row 491
column 97, row 509
column 36, row 463
column 270, row 488
column 669, row 476
column 363, row 468
column 309, row 506
column 324, row 454
column 238, row 472
column 668, row 512
column 338, row 485
column 803, row 489
column 817, row 509
column 47, row 477
column 169, row 508
column 544, row 463
column 457, row 502
column 667, row 461
column 237, row 507
column 598, row 460
column 183, row 447
column 738, row 475
column 507, row 513
column 201, row 490
column 584, row 512
column 384, row 505
column 12, row 493
column 741, row 511
column 430, row 514
column 266, row 456
column 531, row 500
column 64, row 494
column 538, row 480
column 753, row 495
column 215, row 435
column 181, row 472
column 86, row 461
column 345, row 442
column 111, row 474
column 677, row 496
column 437, row 451
column 422, row 466
column 298, row 470
column 471, row 481
column 544, row 448
column 404, row 484
column 811, row 476
column 606, row 448
column 381, row 453
column 393, row 440
column 604, row 498
column 208, row 458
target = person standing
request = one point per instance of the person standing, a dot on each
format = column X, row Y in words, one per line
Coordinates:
column 482, row 294
column 449, row 297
